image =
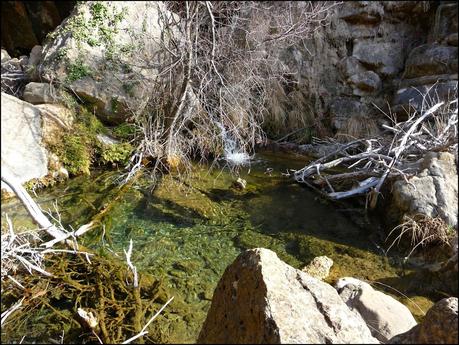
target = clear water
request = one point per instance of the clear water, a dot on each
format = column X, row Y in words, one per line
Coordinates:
column 186, row 234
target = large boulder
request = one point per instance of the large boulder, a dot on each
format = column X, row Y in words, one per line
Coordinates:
column 22, row 152
column 108, row 53
column 261, row 299
column 416, row 98
column 438, row 327
column 39, row 93
column 365, row 83
column 384, row 315
column 432, row 192
column 431, row 59
column 386, row 58
column 445, row 23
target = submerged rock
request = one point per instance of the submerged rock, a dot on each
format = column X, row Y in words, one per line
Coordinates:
column 239, row 184
column 384, row 315
column 319, row 267
column 261, row 299
column 440, row 326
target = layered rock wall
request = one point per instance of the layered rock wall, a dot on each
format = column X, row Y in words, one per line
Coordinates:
column 370, row 53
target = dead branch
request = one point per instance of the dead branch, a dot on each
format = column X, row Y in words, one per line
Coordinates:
column 371, row 162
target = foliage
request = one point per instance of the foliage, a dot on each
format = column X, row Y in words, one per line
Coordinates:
column 79, row 148
column 77, row 71
column 124, row 131
column 99, row 29
column 77, row 157
column 116, row 153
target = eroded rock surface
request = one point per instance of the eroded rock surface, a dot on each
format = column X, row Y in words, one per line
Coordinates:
column 440, row 326
column 384, row 315
column 100, row 60
column 433, row 192
column 22, row 152
column 319, row 267
column 261, row 299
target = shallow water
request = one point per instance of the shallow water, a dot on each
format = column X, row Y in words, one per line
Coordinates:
column 186, row 234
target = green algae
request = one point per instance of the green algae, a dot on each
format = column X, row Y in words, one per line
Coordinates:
column 186, row 231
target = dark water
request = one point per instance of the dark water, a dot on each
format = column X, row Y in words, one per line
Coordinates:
column 186, row 233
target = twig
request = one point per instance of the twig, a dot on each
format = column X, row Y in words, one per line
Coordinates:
column 144, row 331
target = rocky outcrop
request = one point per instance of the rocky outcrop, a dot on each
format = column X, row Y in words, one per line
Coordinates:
column 22, row 152
column 260, row 299
column 384, row 315
column 356, row 62
column 99, row 61
column 26, row 23
column 429, row 63
column 55, row 119
column 440, row 326
column 432, row 192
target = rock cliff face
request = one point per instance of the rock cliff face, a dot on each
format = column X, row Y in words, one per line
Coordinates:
column 372, row 55
column 102, row 53
column 430, row 73
column 358, row 59
column 26, row 23
column 261, row 299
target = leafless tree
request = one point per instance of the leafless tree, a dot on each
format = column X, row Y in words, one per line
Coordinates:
column 217, row 63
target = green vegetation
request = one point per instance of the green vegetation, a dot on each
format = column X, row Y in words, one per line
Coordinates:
column 77, row 71
column 116, row 153
column 77, row 156
column 125, row 131
column 79, row 148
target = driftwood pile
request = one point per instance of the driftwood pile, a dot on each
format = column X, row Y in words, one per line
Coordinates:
column 362, row 166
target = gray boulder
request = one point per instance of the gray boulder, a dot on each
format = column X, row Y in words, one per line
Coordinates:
column 350, row 66
column 386, row 58
column 384, row 315
column 261, row 299
column 438, row 327
column 445, row 22
column 22, row 152
column 432, row 192
column 365, row 83
column 39, row 93
column 431, row 59
column 413, row 98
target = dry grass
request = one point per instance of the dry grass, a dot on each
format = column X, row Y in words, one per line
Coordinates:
column 422, row 231
column 286, row 113
column 358, row 127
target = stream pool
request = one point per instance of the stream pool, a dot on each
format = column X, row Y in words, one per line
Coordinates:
column 186, row 233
